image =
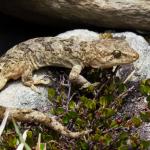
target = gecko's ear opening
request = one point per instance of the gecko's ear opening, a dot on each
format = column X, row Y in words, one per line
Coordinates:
column 3, row 82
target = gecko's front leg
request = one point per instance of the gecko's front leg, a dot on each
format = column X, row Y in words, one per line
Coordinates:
column 75, row 77
column 28, row 79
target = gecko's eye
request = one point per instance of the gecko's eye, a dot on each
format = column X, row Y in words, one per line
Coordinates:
column 116, row 53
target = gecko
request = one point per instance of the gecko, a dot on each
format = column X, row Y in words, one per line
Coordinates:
column 21, row 60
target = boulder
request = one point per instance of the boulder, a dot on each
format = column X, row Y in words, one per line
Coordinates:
column 133, row 14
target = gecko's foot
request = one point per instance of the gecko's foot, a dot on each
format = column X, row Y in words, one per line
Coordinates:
column 87, row 85
column 44, row 81
column 41, row 80
column 35, row 89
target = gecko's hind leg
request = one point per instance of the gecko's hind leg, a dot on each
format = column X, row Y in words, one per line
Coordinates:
column 27, row 80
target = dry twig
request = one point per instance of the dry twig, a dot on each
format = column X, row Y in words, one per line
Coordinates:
column 29, row 115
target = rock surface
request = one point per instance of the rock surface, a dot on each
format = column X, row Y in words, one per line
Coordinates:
column 133, row 14
column 19, row 96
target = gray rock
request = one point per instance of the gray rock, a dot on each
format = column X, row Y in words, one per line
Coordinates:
column 19, row 96
column 145, row 131
column 81, row 34
column 133, row 14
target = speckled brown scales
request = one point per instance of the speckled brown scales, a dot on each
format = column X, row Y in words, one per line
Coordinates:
column 24, row 58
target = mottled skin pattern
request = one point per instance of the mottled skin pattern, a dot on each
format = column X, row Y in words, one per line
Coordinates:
column 24, row 58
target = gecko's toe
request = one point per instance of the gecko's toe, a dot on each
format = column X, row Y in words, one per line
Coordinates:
column 35, row 89
column 45, row 81
column 41, row 79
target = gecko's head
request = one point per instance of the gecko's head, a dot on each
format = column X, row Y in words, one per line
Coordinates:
column 112, row 52
column 9, row 70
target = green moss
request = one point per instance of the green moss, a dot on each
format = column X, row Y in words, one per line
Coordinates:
column 145, row 87
column 51, row 93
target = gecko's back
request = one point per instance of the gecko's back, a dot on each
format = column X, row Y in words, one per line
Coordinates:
column 48, row 51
